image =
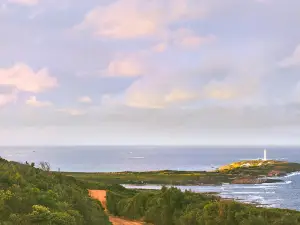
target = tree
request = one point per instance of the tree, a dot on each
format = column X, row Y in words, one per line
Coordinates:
column 45, row 166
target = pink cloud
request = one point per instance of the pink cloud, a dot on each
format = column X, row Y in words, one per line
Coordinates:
column 125, row 19
column 23, row 78
column 32, row 101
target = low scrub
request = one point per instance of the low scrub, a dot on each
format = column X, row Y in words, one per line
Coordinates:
column 173, row 207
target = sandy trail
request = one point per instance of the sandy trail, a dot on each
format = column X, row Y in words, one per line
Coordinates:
column 101, row 196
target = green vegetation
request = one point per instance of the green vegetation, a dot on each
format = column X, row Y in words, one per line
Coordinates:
column 154, row 177
column 173, row 207
column 29, row 195
column 238, row 172
column 260, row 167
column 33, row 196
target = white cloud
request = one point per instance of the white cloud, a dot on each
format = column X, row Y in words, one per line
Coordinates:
column 293, row 60
column 159, row 91
column 145, row 93
column 121, row 19
column 184, row 38
column 181, row 95
column 125, row 19
column 25, row 2
column 187, row 38
column 6, row 98
column 221, row 91
column 32, row 101
column 23, row 78
column 72, row 112
column 241, row 84
column 155, row 95
column 127, row 66
column 85, row 99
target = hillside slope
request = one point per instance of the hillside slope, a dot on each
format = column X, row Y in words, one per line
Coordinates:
column 32, row 196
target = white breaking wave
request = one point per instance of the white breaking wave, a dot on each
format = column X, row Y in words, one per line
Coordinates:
column 251, row 193
column 293, row 174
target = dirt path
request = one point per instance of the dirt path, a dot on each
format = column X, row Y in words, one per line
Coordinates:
column 101, row 196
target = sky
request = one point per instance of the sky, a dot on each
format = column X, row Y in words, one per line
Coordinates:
column 149, row 72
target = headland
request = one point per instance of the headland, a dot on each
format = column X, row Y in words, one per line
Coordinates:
column 242, row 172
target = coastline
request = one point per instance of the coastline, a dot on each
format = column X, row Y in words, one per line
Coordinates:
column 213, row 182
column 235, row 173
column 124, row 204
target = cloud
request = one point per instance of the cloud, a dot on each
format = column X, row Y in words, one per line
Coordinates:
column 120, row 20
column 143, row 95
column 212, row 82
column 126, row 66
column 161, row 47
column 220, row 91
column 23, row 78
column 223, row 90
column 71, row 112
column 32, row 101
column 184, row 38
column 159, row 91
column 188, row 39
column 180, row 95
column 85, row 99
column 25, row 2
column 149, row 99
column 125, row 19
column 293, row 60
column 6, row 98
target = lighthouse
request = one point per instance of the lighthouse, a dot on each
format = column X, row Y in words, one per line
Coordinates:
column 265, row 155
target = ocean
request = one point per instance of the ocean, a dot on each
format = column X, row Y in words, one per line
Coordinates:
column 142, row 158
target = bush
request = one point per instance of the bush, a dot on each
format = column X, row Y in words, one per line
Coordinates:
column 170, row 206
column 33, row 196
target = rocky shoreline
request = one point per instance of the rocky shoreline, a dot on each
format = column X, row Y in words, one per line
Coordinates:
column 255, row 180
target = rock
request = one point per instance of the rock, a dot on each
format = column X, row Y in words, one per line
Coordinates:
column 254, row 180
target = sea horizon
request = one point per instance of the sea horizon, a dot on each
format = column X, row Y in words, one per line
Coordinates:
column 115, row 158
column 153, row 145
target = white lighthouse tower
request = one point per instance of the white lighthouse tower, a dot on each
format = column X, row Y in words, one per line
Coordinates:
column 265, row 155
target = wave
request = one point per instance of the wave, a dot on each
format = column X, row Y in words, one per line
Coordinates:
column 274, row 185
column 249, row 186
column 293, row 174
column 251, row 192
column 245, row 193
